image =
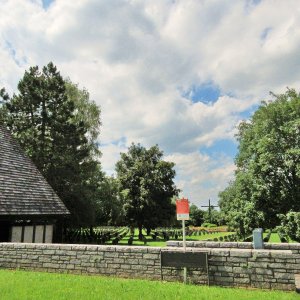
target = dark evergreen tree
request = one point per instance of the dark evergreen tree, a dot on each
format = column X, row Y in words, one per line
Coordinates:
column 47, row 122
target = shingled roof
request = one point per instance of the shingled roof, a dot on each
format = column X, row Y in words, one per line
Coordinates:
column 23, row 189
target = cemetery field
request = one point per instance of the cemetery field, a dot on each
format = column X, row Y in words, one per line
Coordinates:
column 274, row 238
column 17, row 285
column 161, row 242
column 156, row 238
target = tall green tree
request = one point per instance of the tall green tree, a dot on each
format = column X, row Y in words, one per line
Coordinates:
column 109, row 209
column 87, row 111
column 46, row 117
column 147, row 185
column 268, row 163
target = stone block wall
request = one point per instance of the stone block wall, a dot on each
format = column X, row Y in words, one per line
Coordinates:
column 238, row 264
column 230, row 264
column 133, row 262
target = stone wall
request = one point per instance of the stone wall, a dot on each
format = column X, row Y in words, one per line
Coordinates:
column 238, row 264
column 230, row 264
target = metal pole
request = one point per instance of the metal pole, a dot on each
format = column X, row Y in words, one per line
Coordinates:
column 209, row 210
column 183, row 235
column 184, row 248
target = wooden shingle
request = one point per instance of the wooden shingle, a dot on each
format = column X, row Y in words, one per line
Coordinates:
column 23, row 189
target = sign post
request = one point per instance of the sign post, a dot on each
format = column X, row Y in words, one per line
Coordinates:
column 183, row 213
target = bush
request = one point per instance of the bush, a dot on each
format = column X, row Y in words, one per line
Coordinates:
column 290, row 225
column 209, row 225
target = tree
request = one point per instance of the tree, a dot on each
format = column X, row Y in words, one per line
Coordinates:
column 87, row 111
column 47, row 120
column 267, row 180
column 196, row 216
column 214, row 217
column 146, row 183
column 109, row 203
column 4, row 97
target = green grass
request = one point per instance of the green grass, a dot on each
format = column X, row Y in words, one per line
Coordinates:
column 21, row 285
column 274, row 238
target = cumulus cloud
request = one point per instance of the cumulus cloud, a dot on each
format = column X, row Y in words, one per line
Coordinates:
column 137, row 57
column 201, row 177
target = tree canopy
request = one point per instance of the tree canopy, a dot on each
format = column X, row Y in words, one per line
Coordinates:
column 196, row 216
column 57, row 125
column 146, row 183
column 267, row 180
column 109, row 209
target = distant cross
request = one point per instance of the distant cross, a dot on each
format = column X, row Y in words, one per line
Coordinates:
column 210, row 207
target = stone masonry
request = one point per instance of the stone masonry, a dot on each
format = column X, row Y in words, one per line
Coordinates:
column 230, row 264
column 238, row 264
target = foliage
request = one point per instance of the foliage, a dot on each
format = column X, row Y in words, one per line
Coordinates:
column 267, row 180
column 87, row 111
column 214, row 217
column 290, row 225
column 209, row 225
column 241, row 213
column 47, row 117
column 3, row 98
column 146, row 183
column 196, row 216
column 109, row 209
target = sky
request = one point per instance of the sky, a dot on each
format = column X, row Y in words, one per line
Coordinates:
column 178, row 73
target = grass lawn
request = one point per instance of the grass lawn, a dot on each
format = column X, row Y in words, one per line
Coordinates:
column 160, row 242
column 274, row 238
column 21, row 285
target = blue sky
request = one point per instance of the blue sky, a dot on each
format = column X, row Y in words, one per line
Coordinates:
column 206, row 93
column 181, row 74
column 226, row 147
column 46, row 3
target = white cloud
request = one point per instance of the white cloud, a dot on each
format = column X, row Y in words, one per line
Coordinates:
column 200, row 177
column 135, row 57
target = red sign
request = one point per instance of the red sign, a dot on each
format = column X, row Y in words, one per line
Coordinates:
column 182, row 209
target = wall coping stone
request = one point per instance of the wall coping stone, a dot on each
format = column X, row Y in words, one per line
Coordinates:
column 171, row 246
column 242, row 245
column 81, row 247
column 233, row 251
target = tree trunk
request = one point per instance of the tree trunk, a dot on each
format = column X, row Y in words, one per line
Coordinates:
column 140, row 233
column 131, row 230
column 148, row 231
column 91, row 231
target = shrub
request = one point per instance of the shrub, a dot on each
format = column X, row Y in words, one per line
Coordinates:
column 209, row 225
